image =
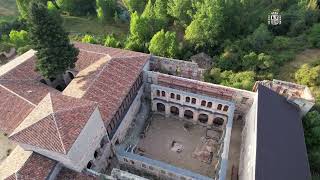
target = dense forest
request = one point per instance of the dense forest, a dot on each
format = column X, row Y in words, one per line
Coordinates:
column 244, row 47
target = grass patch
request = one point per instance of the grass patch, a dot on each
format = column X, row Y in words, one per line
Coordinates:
column 308, row 56
column 8, row 10
column 86, row 25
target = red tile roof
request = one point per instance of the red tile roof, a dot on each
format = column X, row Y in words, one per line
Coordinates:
column 36, row 167
column 67, row 174
column 60, row 128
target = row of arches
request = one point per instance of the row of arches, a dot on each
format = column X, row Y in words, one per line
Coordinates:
column 188, row 114
column 193, row 100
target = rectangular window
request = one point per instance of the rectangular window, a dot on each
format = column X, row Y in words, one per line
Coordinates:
column 178, row 97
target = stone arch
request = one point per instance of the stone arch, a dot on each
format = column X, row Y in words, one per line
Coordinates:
column 70, row 75
column 193, row 100
column 163, row 93
column 218, row 121
column 188, row 114
column 203, row 103
column 203, row 118
column 219, row 106
column 161, row 107
column 174, row 110
column 187, row 99
column 172, row 96
column 158, row 92
column 209, row 105
column 225, row 108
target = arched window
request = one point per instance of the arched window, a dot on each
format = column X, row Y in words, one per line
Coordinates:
column 219, row 106
column 188, row 114
column 178, row 97
column 161, row 107
column 89, row 165
column 172, row 96
column 71, row 76
column 203, row 118
column 225, row 108
column 194, row 101
column 174, row 110
column 95, row 155
column 218, row 121
column 187, row 99
column 163, row 93
column 209, row 105
column 203, row 103
column 158, row 92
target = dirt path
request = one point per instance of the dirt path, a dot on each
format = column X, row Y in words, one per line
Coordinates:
column 308, row 56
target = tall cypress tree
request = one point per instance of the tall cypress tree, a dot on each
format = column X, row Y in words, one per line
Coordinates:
column 54, row 54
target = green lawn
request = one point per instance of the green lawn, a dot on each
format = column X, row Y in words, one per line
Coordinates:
column 306, row 57
column 8, row 9
column 91, row 25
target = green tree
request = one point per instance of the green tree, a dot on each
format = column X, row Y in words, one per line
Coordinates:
column 311, row 125
column 314, row 36
column 164, row 44
column 260, row 38
column 308, row 75
column 23, row 5
column 213, row 76
column 111, row 41
column 256, row 62
column 241, row 80
column 105, row 9
column 78, row 7
column 135, row 5
column 19, row 38
column 54, row 54
column 207, row 26
column 181, row 10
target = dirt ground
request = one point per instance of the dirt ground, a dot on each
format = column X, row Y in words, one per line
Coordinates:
column 159, row 137
column 234, row 149
column 5, row 146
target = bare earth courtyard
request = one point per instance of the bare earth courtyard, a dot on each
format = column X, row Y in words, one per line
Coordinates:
column 164, row 132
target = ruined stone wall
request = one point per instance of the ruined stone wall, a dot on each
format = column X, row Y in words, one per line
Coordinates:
column 243, row 99
column 176, row 67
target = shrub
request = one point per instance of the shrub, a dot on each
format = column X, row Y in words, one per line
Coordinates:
column 111, row 41
column 19, row 38
column 89, row 39
column 314, row 36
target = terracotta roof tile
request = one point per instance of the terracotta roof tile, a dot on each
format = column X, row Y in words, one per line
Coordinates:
column 67, row 174
column 60, row 128
column 85, row 59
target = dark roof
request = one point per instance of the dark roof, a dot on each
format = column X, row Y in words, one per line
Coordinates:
column 281, row 151
column 68, row 174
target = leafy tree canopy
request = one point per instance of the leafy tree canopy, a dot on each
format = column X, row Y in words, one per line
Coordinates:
column 164, row 44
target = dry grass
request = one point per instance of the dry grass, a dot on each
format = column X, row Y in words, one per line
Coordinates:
column 306, row 57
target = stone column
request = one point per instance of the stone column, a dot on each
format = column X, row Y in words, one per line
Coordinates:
column 167, row 110
column 210, row 120
column 154, row 106
column 181, row 112
column 195, row 116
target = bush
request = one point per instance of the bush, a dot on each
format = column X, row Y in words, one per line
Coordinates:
column 19, row 38
column 89, row 39
column 314, row 36
column 5, row 46
column 111, row 41
column 307, row 75
column 23, row 49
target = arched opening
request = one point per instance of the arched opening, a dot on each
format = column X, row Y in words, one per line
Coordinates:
column 178, row 97
column 203, row 103
column 43, row 81
column 161, row 107
column 225, row 108
column 187, row 99
column 163, row 93
column 194, row 101
column 172, row 96
column 219, row 106
column 203, row 118
column 89, row 165
column 188, row 114
column 158, row 92
column 218, row 121
column 95, row 155
column 71, row 76
column 59, row 88
column 174, row 110
column 209, row 105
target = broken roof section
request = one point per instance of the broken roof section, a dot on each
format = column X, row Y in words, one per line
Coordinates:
column 55, row 123
column 281, row 150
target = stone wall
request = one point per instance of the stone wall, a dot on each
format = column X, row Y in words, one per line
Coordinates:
column 176, row 67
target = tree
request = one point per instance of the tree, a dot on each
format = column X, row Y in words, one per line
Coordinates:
column 314, row 36
column 23, row 5
column 241, row 80
column 78, row 7
column 111, row 41
column 54, row 54
column 105, row 9
column 164, row 44
column 207, row 26
column 256, row 62
column 307, row 75
column 260, row 38
column 135, row 5
column 311, row 125
column 181, row 10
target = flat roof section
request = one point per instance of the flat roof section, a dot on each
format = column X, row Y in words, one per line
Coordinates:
column 281, row 150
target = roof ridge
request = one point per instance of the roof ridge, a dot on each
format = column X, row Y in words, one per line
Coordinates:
column 94, row 52
column 56, row 124
column 69, row 109
column 18, row 95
